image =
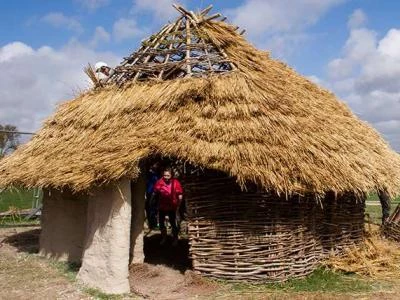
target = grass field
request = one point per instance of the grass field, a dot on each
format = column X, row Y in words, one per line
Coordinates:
column 373, row 210
column 18, row 198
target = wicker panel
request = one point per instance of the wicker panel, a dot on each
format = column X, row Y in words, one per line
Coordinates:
column 392, row 231
column 391, row 228
column 259, row 236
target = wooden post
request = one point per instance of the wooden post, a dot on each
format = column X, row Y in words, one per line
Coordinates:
column 188, row 66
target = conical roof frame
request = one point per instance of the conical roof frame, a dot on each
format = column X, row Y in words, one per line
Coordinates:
column 179, row 49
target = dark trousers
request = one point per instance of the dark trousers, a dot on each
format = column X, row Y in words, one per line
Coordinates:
column 151, row 212
column 385, row 203
column 172, row 220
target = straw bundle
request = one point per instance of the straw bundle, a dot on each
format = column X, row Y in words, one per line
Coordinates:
column 90, row 72
column 375, row 257
column 260, row 122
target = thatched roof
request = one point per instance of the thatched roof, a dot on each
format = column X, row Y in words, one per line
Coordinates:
column 261, row 122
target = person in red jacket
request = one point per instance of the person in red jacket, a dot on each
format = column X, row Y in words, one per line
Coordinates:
column 169, row 192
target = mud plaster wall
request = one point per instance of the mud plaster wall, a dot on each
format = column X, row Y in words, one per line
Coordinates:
column 63, row 225
column 138, row 217
column 106, row 257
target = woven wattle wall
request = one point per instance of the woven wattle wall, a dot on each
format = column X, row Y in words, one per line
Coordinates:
column 258, row 236
column 391, row 228
column 392, row 231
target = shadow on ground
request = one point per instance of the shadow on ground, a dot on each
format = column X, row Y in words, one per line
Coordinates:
column 155, row 254
column 174, row 257
column 27, row 241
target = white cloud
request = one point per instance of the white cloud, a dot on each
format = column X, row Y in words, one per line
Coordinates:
column 92, row 5
column 319, row 81
column 367, row 76
column 360, row 46
column 13, row 50
column 390, row 44
column 260, row 16
column 100, row 36
column 279, row 25
column 59, row 20
column 37, row 79
column 161, row 9
column 283, row 44
column 126, row 29
column 357, row 19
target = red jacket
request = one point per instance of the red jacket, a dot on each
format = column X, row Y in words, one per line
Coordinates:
column 168, row 193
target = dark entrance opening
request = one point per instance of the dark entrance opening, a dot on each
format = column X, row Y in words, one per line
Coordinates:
column 176, row 257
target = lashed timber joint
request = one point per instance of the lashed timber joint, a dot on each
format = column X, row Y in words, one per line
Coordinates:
column 180, row 49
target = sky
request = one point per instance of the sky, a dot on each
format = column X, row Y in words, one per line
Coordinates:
column 351, row 47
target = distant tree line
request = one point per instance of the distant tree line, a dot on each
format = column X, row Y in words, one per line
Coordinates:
column 9, row 139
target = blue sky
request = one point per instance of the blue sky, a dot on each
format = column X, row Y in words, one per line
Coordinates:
column 347, row 46
column 23, row 21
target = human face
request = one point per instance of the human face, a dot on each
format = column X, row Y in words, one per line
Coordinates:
column 105, row 70
column 167, row 176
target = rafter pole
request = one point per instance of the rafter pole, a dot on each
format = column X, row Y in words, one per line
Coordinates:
column 206, row 10
column 188, row 38
column 170, row 27
column 170, row 48
column 182, row 10
column 210, row 18
column 155, row 38
column 204, row 44
column 194, row 17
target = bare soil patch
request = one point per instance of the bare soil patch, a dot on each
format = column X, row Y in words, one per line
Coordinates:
column 166, row 273
column 26, row 276
column 161, row 282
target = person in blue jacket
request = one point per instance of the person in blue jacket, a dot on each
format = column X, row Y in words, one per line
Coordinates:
column 151, row 207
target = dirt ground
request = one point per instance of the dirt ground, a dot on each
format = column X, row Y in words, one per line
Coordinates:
column 165, row 275
column 26, row 276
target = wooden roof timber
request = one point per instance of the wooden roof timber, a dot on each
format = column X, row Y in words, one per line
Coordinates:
column 180, row 40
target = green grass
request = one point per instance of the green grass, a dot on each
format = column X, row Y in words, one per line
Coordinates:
column 321, row 280
column 7, row 222
column 97, row 294
column 15, row 197
column 374, row 212
column 18, row 199
column 374, row 197
column 70, row 270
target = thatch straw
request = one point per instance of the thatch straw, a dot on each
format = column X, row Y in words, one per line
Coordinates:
column 90, row 72
column 375, row 257
column 262, row 123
